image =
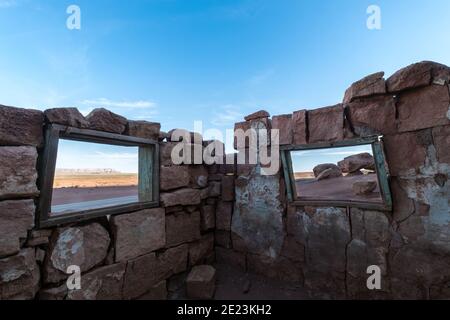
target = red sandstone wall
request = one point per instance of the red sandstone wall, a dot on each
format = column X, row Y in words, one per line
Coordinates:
column 139, row 255
column 329, row 249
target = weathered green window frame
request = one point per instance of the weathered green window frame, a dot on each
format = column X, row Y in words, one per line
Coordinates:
column 380, row 163
column 148, row 176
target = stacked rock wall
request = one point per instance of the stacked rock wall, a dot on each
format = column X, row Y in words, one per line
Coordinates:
column 239, row 217
column 328, row 249
column 137, row 255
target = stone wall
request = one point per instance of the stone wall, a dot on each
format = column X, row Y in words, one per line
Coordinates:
column 234, row 215
column 329, row 249
column 137, row 255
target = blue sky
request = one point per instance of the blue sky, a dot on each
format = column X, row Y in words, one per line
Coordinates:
column 176, row 61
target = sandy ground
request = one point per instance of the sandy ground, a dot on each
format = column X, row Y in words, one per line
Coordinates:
column 95, row 180
column 232, row 281
column 336, row 189
column 75, row 195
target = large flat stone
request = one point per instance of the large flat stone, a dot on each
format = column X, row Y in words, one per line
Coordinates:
column 201, row 282
column 423, row 108
column 182, row 227
column 417, row 75
column 104, row 120
column 183, row 197
column 299, row 127
column 19, row 276
column 404, row 153
column 143, row 129
column 144, row 272
column 372, row 116
column 66, row 116
column 371, row 85
column 173, row 177
column 138, row 233
column 326, row 124
column 21, row 127
column 85, row 247
column 18, row 172
column 16, row 218
column 104, row 283
column 283, row 123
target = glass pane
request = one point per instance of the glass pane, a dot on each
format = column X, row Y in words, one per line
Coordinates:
column 342, row 173
column 92, row 176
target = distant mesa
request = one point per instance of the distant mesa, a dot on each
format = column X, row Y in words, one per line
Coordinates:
column 86, row 171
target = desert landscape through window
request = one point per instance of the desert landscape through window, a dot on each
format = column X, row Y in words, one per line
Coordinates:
column 93, row 176
column 342, row 173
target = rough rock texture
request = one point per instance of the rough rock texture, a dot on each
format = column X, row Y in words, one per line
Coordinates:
column 173, row 177
column 317, row 170
column 257, row 216
column 372, row 117
column 228, row 188
column 423, row 108
column 157, row 292
column 138, row 233
column 405, row 152
column 299, row 127
column 224, row 212
column 201, row 251
column 143, row 273
column 143, row 129
column 66, row 116
column 85, row 247
column 257, row 115
column 184, row 197
column 283, row 123
column 357, row 162
column 104, row 120
column 329, row 174
column 208, row 217
column 326, row 124
column 441, row 139
column 19, row 276
column 201, row 282
column 364, row 187
column 18, row 172
column 418, row 75
column 198, row 177
column 104, row 283
column 16, row 218
column 371, row 85
column 165, row 153
column 21, row 127
column 182, row 227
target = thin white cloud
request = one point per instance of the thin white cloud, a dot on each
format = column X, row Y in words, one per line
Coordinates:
column 228, row 115
column 103, row 102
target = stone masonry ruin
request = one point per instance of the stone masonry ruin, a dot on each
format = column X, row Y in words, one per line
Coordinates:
column 232, row 215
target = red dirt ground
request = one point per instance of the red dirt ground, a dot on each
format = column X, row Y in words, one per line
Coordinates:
column 336, row 189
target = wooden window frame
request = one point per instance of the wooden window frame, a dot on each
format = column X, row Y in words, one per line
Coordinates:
column 382, row 174
column 148, row 153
